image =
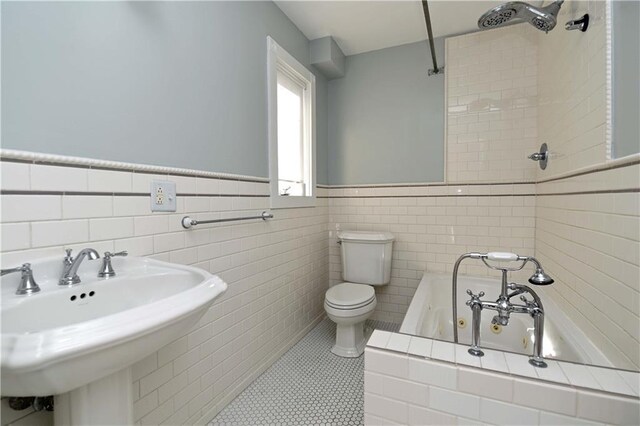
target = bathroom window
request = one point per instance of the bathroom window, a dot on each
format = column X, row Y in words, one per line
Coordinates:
column 291, row 98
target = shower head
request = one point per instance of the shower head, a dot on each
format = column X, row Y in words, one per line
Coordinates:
column 543, row 18
column 540, row 277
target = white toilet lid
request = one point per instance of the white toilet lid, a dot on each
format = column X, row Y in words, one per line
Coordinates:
column 349, row 295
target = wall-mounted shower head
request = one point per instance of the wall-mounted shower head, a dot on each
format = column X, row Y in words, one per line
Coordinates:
column 543, row 18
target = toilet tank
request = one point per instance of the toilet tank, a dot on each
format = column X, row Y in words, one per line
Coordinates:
column 366, row 257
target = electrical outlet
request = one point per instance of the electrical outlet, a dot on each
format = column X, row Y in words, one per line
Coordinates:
column 163, row 196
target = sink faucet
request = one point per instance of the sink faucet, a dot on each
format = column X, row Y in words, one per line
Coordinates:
column 71, row 265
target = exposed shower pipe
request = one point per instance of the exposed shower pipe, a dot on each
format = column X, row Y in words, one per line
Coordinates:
column 427, row 17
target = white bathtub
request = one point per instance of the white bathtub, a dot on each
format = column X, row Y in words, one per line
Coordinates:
column 429, row 315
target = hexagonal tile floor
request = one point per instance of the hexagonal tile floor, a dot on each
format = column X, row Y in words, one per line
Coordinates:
column 308, row 385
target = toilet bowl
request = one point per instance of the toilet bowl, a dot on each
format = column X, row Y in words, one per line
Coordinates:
column 349, row 305
column 366, row 262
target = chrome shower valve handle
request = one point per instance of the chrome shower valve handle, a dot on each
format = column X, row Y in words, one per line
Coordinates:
column 542, row 156
column 537, row 156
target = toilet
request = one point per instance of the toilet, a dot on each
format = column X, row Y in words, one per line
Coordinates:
column 366, row 262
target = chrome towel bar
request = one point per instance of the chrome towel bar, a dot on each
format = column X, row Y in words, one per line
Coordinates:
column 187, row 222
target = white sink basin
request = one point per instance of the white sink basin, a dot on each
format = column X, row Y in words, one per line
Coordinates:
column 52, row 345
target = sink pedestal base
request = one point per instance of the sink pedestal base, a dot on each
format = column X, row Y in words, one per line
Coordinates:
column 108, row 401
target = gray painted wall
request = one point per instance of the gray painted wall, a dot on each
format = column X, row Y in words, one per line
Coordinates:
column 178, row 84
column 322, row 146
column 386, row 118
column 626, row 83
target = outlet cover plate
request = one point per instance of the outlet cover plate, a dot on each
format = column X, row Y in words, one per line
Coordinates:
column 163, row 196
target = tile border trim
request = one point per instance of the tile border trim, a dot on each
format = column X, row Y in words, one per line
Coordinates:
column 618, row 163
column 16, row 156
column 120, row 194
column 602, row 191
column 608, row 29
column 628, row 161
column 424, row 184
column 430, row 196
column 25, row 157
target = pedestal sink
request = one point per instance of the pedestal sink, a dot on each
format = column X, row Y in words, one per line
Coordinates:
column 79, row 342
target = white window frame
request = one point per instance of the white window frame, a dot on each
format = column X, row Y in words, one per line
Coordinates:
column 278, row 57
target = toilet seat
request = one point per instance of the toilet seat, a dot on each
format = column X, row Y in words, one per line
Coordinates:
column 349, row 296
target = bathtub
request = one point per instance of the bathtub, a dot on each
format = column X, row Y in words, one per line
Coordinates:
column 429, row 315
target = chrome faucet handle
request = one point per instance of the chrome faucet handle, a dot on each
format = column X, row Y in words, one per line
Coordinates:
column 68, row 258
column 12, row 270
column 107, row 270
column 532, row 305
column 475, row 298
column 28, row 284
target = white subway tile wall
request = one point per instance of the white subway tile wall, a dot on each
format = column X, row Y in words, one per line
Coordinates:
column 404, row 388
column 590, row 244
column 277, row 271
column 433, row 226
column 572, row 89
column 492, row 105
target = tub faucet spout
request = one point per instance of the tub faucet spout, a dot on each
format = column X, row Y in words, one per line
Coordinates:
column 500, row 320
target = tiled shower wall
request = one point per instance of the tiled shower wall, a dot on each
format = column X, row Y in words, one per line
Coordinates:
column 492, row 105
column 587, row 224
column 572, row 90
column 588, row 239
column 277, row 270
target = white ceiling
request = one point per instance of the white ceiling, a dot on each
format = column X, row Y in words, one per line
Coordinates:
column 362, row 26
